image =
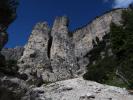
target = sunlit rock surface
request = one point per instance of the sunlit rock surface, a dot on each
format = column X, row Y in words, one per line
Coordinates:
column 78, row 89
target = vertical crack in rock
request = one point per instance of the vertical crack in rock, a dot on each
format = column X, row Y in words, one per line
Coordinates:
column 49, row 45
column 49, row 49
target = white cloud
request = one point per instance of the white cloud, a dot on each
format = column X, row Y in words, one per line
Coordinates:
column 120, row 3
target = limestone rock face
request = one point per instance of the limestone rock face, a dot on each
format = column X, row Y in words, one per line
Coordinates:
column 12, row 53
column 62, row 55
column 50, row 55
column 12, row 88
column 78, row 89
column 57, row 54
column 84, row 37
column 35, row 56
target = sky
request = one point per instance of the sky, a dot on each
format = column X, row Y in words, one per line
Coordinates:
column 80, row 12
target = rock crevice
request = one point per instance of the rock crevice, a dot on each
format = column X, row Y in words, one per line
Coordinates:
column 49, row 45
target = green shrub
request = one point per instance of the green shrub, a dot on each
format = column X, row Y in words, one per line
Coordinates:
column 102, row 70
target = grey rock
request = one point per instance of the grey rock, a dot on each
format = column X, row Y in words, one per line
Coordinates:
column 35, row 58
column 12, row 88
column 12, row 53
column 79, row 89
column 57, row 54
column 62, row 55
column 49, row 55
column 83, row 37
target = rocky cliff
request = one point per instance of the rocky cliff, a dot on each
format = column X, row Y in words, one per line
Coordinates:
column 51, row 64
column 55, row 53
column 83, row 37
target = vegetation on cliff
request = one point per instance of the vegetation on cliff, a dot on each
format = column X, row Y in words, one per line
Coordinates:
column 112, row 59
